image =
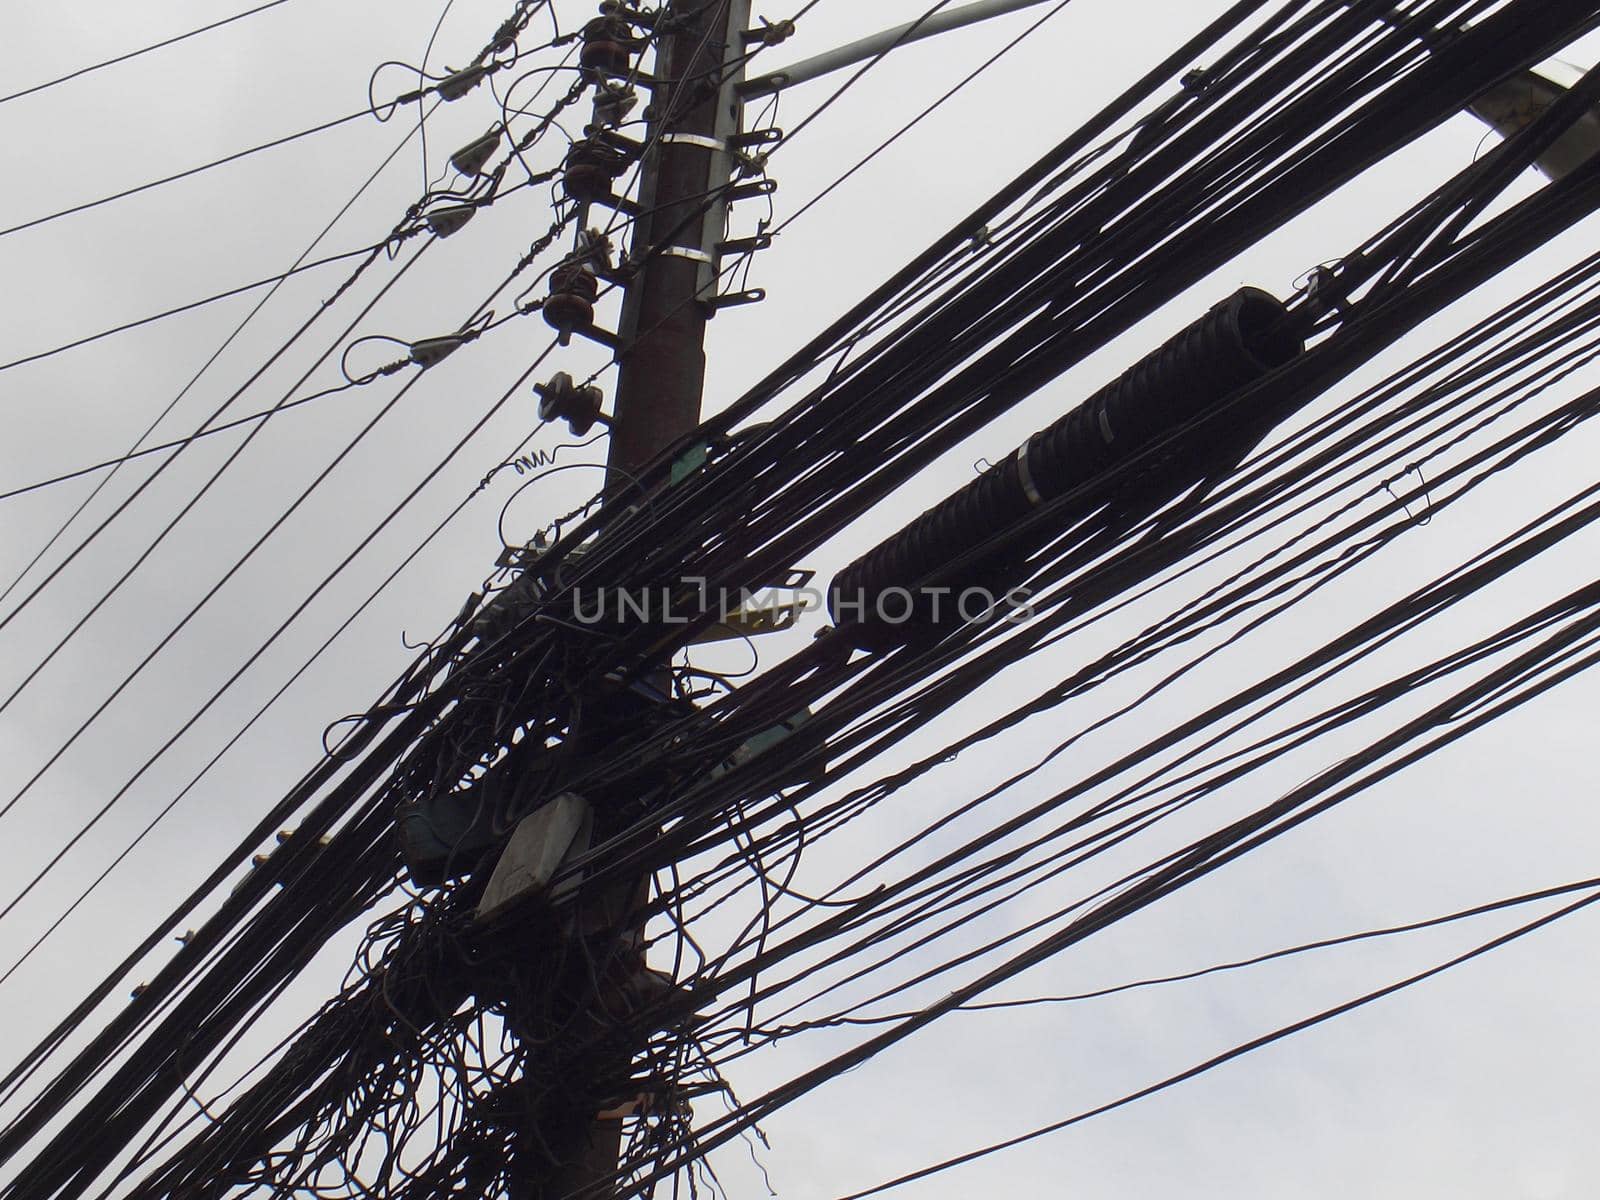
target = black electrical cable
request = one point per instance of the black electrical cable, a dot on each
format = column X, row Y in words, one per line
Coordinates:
column 206, row 366
column 718, row 193
column 1020, row 776
column 883, row 146
column 247, row 555
column 189, row 307
column 236, row 423
column 409, row 98
column 125, row 504
column 155, row 183
column 1216, row 969
column 213, row 591
column 1049, row 946
column 724, row 492
column 122, row 58
column 239, row 735
column 188, row 507
column 461, row 444
column 1239, row 1051
column 909, row 31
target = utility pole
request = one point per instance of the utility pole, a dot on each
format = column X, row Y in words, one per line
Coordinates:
column 695, row 135
column 693, row 129
column 671, row 277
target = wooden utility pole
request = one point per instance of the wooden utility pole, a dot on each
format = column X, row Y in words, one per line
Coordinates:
column 694, row 115
column 693, row 151
column 693, row 121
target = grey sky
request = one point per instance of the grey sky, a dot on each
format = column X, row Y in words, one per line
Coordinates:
column 1475, row 1085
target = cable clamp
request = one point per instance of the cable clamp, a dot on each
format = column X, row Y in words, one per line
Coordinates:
column 689, row 252
column 1025, row 474
column 442, row 222
column 1327, row 287
column 506, row 36
column 459, row 83
column 694, row 139
column 751, row 164
column 431, row 351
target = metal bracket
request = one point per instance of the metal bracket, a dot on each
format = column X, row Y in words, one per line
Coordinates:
column 622, row 143
column 792, row 580
column 708, row 230
column 618, row 276
column 603, row 337
column 756, row 137
column 747, row 245
column 754, row 622
column 770, row 33
column 749, row 191
column 730, row 125
column 735, row 299
column 929, row 25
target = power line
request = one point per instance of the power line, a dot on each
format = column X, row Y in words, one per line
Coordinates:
column 1348, row 939
column 255, row 718
column 1085, row 259
column 155, row 183
column 121, row 58
column 183, row 441
column 123, row 507
column 160, row 537
column 399, row 233
column 232, row 571
column 298, row 269
column 1238, row 1051
column 920, row 117
column 77, row 627
column 210, row 362
column 409, row 98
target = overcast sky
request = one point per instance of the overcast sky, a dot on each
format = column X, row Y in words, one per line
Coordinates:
column 1478, row 1084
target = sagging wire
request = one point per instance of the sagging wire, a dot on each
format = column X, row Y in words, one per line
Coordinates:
column 682, row 814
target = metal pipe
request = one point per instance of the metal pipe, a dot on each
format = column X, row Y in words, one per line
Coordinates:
column 880, row 43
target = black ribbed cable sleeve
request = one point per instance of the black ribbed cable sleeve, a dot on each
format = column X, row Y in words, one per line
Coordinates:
column 1236, row 344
